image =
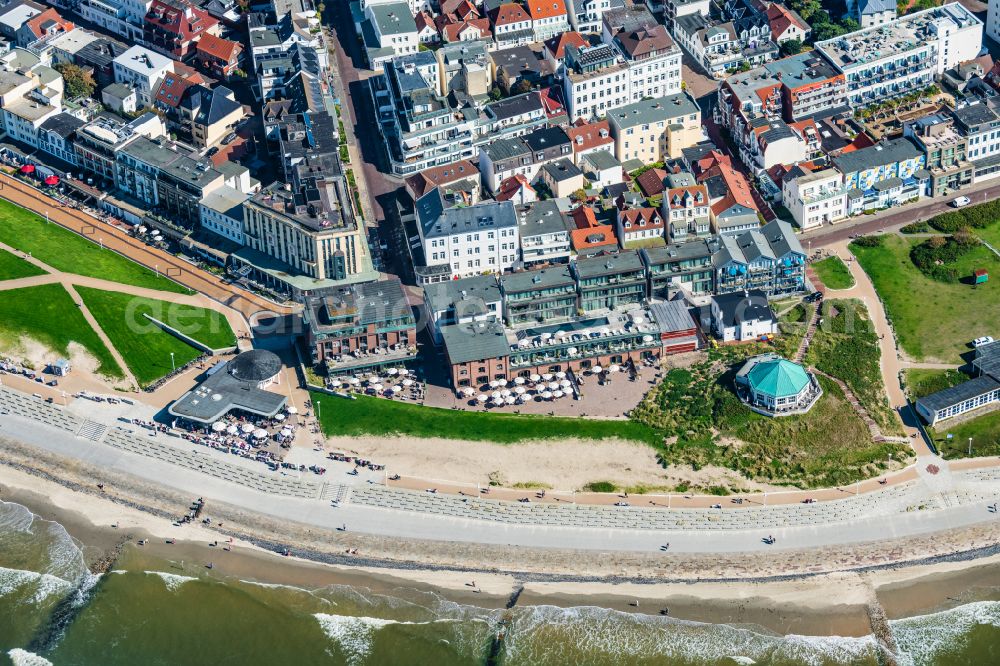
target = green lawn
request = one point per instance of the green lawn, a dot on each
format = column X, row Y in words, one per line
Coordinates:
column 984, row 431
column 933, row 320
column 146, row 347
column 71, row 253
column 376, row 416
column 922, row 382
column 48, row 315
column 12, row 267
column 833, row 272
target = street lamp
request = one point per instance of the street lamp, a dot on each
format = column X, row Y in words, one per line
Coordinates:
column 173, row 367
column 970, row 446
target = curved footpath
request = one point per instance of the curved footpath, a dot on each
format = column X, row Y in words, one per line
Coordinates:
column 114, row 239
column 920, row 510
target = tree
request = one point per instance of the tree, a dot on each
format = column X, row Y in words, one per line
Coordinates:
column 77, row 81
column 791, row 47
column 579, row 195
column 495, row 93
column 520, row 87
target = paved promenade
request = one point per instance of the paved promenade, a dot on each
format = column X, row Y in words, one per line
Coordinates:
column 916, row 507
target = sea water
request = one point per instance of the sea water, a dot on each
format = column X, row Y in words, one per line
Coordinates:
column 53, row 611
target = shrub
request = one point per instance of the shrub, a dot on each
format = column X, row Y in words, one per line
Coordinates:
column 971, row 217
column 868, row 241
column 600, row 487
column 934, row 254
column 916, row 228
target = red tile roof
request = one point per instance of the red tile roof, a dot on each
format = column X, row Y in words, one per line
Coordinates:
column 737, row 187
column 557, row 45
column 220, row 48
column 35, row 23
column 509, row 187
column 589, row 233
column 180, row 17
column 651, row 182
column 421, row 183
column 681, row 192
column 453, row 31
column 539, row 9
column 424, row 20
column 172, row 88
column 781, row 18
column 509, row 13
column 590, row 135
column 643, row 218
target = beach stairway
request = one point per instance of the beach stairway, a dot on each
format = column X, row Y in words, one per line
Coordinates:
column 92, row 430
column 810, row 332
column 334, row 492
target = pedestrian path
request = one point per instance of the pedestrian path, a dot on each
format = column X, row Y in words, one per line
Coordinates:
column 92, row 430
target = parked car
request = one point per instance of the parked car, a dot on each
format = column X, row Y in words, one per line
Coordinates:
column 979, row 342
column 958, row 202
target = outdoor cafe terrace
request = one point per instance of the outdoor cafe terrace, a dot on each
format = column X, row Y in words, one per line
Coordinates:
column 617, row 332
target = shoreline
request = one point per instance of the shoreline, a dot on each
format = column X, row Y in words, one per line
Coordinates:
column 822, row 604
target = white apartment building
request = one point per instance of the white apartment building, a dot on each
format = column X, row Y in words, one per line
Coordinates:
column 548, row 18
column 907, row 54
column 143, row 69
column 814, row 197
column 979, row 122
column 589, row 14
column 993, row 20
column 471, row 240
column 221, row 212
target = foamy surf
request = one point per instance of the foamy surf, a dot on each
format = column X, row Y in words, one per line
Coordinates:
column 921, row 638
column 21, row 657
column 172, row 581
column 355, row 634
column 42, row 585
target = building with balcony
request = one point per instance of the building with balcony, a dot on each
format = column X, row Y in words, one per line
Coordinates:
column 684, row 268
column 740, row 33
column 904, row 55
column 421, row 127
column 462, row 301
column 363, row 326
column 540, row 296
column 769, row 259
column 814, row 197
column 472, row 240
column 687, row 212
column 610, row 280
column 143, row 70
column 946, row 153
column 524, row 155
column 979, row 122
column 887, row 174
column 173, row 27
column 742, row 317
column 544, row 232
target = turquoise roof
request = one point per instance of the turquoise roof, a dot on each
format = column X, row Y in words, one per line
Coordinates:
column 778, row 378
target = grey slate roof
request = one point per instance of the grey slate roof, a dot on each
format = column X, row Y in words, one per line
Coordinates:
column 542, row 278
column 443, row 296
column 515, row 106
column 956, row 394
column 62, row 124
column 475, row 341
column 561, row 170
column 225, row 391
column 653, row 110
column 737, row 307
column 626, row 261
column 437, row 221
column 543, row 217
column 393, row 18
column 887, row 152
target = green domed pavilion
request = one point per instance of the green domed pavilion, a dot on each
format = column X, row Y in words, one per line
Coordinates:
column 776, row 386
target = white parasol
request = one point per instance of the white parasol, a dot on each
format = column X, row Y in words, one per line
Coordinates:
column 404, row 371
column 279, row 417
column 505, row 392
column 534, row 377
column 219, row 426
column 482, row 397
column 557, row 394
column 409, row 382
column 247, row 427
column 392, row 371
column 547, row 395
column 613, row 368
column 518, row 381
column 547, row 376
column 553, row 385
column 397, row 388
column 560, row 375
column 597, row 369
column 292, row 410
column 260, row 433
column 572, row 351
column 497, row 395
column 355, row 381
column 510, row 400
column 377, row 388
column 520, row 390
column 565, row 383
column 233, row 430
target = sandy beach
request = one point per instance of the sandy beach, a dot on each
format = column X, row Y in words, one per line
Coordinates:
column 827, row 604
